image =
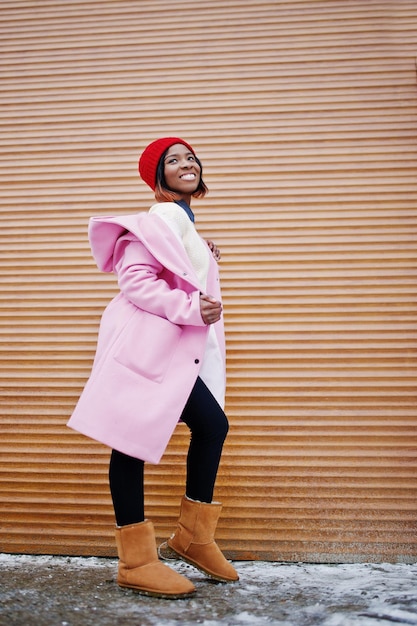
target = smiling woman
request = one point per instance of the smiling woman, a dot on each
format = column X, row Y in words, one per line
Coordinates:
column 160, row 359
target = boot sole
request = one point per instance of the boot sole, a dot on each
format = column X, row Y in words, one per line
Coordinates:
column 157, row 594
column 169, row 554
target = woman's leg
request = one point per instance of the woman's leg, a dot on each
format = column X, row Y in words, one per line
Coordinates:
column 193, row 540
column 126, row 487
column 139, row 568
column 209, row 426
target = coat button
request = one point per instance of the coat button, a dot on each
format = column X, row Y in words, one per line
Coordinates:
column 196, row 361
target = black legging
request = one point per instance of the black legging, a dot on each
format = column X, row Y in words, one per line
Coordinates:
column 208, row 425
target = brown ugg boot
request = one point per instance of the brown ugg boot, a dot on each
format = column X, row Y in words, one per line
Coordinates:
column 193, row 540
column 140, row 569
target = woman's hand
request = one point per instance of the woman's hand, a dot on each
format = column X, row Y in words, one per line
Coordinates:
column 210, row 309
column 214, row 249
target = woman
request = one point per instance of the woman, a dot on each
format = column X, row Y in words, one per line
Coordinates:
column 160, row 358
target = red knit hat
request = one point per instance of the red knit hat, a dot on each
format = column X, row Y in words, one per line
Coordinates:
column 148, row 162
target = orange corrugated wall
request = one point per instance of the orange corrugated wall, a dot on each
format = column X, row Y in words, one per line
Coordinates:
column 304, row 115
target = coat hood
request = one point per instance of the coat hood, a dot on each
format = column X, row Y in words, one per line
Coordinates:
column 104, row 232
column 150, row 229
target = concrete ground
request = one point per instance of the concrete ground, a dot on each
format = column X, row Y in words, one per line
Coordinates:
column 76, row 591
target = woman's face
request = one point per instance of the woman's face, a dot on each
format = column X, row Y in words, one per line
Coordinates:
column 181, row 170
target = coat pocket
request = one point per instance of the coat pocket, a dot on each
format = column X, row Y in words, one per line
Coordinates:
column 147, row 344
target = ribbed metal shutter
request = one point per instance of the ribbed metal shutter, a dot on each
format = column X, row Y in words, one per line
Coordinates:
column 304, row 115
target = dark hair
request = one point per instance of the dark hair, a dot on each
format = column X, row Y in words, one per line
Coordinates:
column 164, row 194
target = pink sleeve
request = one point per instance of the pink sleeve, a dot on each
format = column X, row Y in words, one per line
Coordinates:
column 140, row 280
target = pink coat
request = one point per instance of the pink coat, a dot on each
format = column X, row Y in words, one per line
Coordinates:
column 151, row 340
